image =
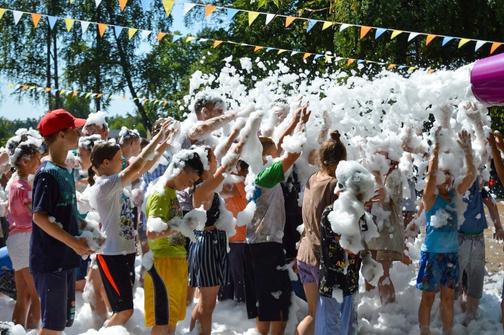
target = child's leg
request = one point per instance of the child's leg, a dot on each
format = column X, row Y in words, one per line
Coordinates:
column 263, row 327
column 33, row 319
column 385, row 285
column 205, row 307
column 424, row 310
column 447, row 295
column 22, row 299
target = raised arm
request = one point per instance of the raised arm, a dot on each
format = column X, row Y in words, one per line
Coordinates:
column 291, row 157
column 464, row 141
column 429, row 195
column 290, row 128
column 496, row 156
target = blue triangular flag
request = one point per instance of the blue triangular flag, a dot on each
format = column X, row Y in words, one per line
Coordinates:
column 176, row 37
column 311, row 24
column 117, row 30
column 379, row 32
column 401, row 67
column 269, row 49
column 52, row 21
column 317, row 56
column 360, row 61
column 446, row 39
column 146, row 4
column 231, row 12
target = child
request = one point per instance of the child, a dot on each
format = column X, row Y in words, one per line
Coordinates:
column 25, row 156
column 54, row 248
column 439, row 264
column 116, row 261
column 129, row 140
column 169, row 273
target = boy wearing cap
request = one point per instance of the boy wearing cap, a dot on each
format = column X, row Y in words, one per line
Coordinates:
column 54, row 249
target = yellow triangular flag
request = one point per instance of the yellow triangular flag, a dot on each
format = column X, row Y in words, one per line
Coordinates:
column 350, row 61
column 35, row 18
column 391, row 66
column 258, row 48
column 307, row 55
column 251, row 17
column 131, row 32
column 411, row 69
column 189, row 38
column 102, row 27
column 216, row 43
column 281, row 51
column 364, row 30
column 122, row 4
column 209, row 9
column 327, row 24
column 88, row 95
column 2, row 12
column 429, row 39
column 395, row 33
column 160, row 36
column 168, row 6
column 289, row 20
column 463, row 41
column 62, row 91
column 494, row 47
column 69, row 24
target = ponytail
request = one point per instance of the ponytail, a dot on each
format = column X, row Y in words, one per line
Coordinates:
column 91, row 174
column 332, row 151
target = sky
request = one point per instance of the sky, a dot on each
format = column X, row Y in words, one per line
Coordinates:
column 11, row 108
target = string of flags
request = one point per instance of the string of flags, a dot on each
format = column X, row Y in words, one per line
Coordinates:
column 159, row 36
column 86, row 95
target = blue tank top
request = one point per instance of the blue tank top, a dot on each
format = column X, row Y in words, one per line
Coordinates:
column 442, row 239
column 474, row 216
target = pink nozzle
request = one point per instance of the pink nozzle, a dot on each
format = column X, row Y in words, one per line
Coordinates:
column 487, row 80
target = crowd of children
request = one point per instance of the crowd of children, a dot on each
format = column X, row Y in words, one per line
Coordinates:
column 213, row 219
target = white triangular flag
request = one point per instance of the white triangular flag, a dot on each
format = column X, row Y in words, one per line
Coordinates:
column 98, row 2
column 344, row 26
column 269, row 17
column 188, row 6
column 17, row 16
column 479, row 44
column 412, row 36
column 84, row 26
column 145, row 33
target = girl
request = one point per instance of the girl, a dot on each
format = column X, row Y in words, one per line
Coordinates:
column 25, row 156
column 116, row 261
column 439, row 264
column 129, row 140
column 169, row 273
column 318, row 194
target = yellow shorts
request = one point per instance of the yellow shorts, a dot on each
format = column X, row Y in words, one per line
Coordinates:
column 173, row 272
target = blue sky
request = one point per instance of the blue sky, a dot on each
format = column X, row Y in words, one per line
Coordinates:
column 11, row 108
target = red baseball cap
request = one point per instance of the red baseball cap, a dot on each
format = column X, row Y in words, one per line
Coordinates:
column 57, row 120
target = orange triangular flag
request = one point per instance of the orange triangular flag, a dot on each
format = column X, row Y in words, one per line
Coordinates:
column 216, row 43
column 307, row 55
column 429, row 39
column 495, row 46
column 160, row 36
column 102, row 27
column 209, row 9
column 391, row 66
column 364, row 30
column 350, row 61
column 36, row 19
column 257, row 48
column 289, row 20
column 252, row 16
column 122, row 4
column 463, row 41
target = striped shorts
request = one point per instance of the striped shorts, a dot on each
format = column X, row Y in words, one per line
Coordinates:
column 208, row 259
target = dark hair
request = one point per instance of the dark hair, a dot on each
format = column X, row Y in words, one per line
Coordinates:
column 207, row 101
column 100, row 152
column 195, row 164
column 266, row 142
column 332, row 151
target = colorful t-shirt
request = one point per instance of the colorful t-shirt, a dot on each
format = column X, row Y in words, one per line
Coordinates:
column 235, row 204
column 116, row 215
column 441, row 231
column 474, row 215
column 54, row 195
column 268, row 222
column 20, row 214
column 165, row 206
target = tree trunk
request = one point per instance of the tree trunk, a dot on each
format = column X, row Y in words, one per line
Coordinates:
column 48, row 68
column 56, row 81
column 97, row 52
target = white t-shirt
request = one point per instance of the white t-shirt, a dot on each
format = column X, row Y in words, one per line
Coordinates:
column 116, row 216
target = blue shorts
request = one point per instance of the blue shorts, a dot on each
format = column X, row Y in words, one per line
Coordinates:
column 57, row 298
column 436, row 270
column 335, row 318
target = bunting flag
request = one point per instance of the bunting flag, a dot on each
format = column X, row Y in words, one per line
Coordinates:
column 293, row 53
column 84, row 26
column 281, row 51
column 216, row 44
column 168, row 6
column 429, row 39
column 327, row 24
column 2, row 12
column 160, row 36
column 479, row 44
column 446, row 39
column 231, row 12
column 391, row 66
column 252, row 16
column 269, row 17
column 209, row 9
column 35, row 19
column 146, row 34
column 462, row 42
column 118, row 30
column 412, row 36
column 350, row 61
column 307, row 55
column 395, row 33
column 122, row 4
column 258, row 48
column 69, row 24
column 131, row 32
column 289, row 20
column 364, row 30
column 311, row 24
column 188, row 7
column 97, row 3
column 379, row 32
column 146, row 4
column 17, row 16
column 494, row 47
column 52, row 21
column 343, row 26
column 189, row 39
column 102, row 27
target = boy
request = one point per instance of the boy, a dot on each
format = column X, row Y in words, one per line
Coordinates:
column 54, row 249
